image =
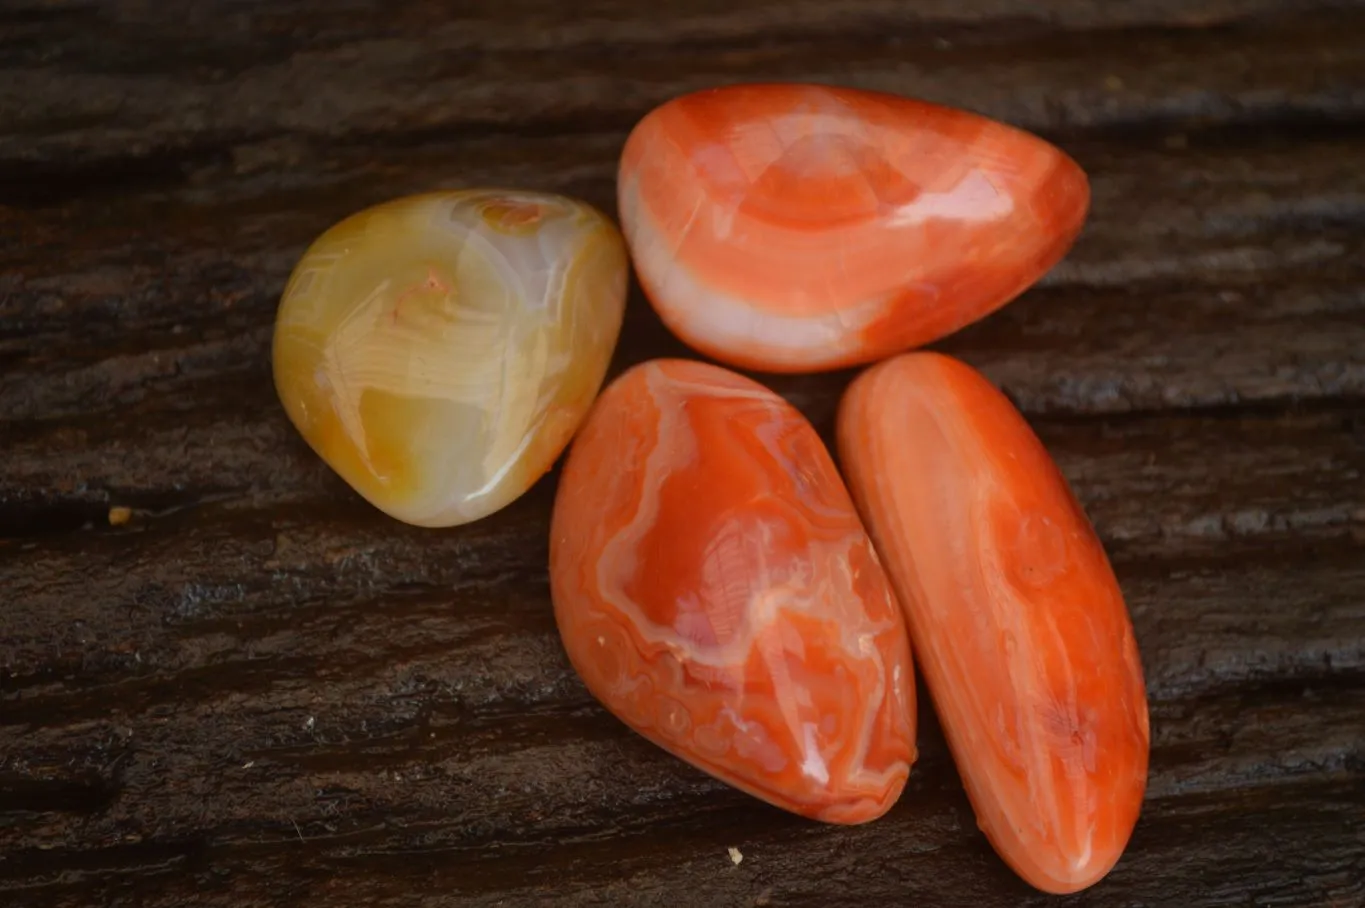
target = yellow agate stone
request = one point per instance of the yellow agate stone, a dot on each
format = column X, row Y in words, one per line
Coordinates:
column 439, row 351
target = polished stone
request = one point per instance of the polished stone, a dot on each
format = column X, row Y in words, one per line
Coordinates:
column 438, row 351
column 793, row 228
column 1017, row 620
column 716, row 591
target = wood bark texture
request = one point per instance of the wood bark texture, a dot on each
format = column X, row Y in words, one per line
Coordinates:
column 257, row 690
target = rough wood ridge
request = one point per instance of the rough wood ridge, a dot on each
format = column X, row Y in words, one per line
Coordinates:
column 259, row 691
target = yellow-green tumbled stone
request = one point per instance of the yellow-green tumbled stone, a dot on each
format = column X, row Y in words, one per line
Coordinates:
column 439, row 351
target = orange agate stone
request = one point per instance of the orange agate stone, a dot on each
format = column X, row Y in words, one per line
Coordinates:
column 716, row 591
column 1016, row 617
column 791, row 228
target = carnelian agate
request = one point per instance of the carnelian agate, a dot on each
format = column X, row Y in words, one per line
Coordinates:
column 1016, row 617
column 717, row 592
column 790, row 227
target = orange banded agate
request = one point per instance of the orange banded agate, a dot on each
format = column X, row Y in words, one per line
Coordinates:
column 1017, row 620
column 793, row 227
column 716, row 591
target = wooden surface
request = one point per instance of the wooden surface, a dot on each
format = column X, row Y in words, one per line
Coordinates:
column 259, row 691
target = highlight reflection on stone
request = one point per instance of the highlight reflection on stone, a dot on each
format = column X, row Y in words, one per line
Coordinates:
column 438, row 351
column 716, row 591
column 791, row 227
column 1017, row 620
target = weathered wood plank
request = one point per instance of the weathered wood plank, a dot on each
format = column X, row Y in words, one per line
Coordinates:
column 269, row 594
column 451, row 719
column 926, row 847
column 1164, row 484
column 398, row 84
column 1206, row 276
column 411, row 693
column 259, row 691
column 69, row 32
column 357, row 682
column 340, row 654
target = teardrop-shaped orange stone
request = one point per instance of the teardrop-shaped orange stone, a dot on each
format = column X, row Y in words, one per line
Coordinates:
column 1015, row 614
column 716, row 591
column 793, row 227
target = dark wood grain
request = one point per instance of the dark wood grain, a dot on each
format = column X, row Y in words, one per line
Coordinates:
column 259, row 691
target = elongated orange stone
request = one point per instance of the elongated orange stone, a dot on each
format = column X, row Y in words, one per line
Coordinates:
column 717, row 592
column 1017, row 620
column 793, row 227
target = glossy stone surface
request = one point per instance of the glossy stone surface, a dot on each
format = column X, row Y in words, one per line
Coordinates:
column 438, row 351
column 1017, row 620
column 716, row 591
column 791, row 228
